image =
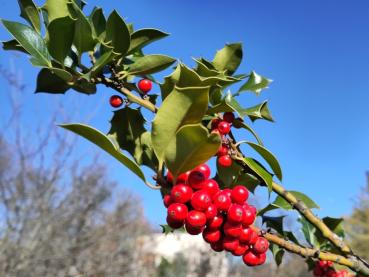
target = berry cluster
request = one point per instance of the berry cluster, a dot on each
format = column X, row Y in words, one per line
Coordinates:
column 223, row 127
column 143, row 85
column 222, row 216
column 326, row 269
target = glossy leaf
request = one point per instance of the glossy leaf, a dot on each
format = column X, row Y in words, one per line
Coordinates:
column 105, row 144
column 269, row 158
column 98, row 21
column 150, row 64
column 56, row 9
column 241, row 124
column 182, row 106
column 30, row 13
column 63, row 74
column 31, row 41
column 260, row 111
column 260, row 172
column 256, row 83
column 13, row 45
column 143, row 37
column 228, row 104
column 60, row 37
column 101, row 62
column 117, row 33
column 229, row 58
column 49, row 82
column 191, row 146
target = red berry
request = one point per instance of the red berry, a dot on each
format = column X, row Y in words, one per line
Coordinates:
column 240, row 250
column 261, row 245
column 228, row 192
column 332, row 273
column 192, row 230
column 222, row 151
column 144, row 85
column 232, row 230
column 229, row 117
column 329, row 263
column 253, row 209
column 201, row 200
column 230, row 244
column 211, row 236
column 246, row 235
column 216, row 222
column 177, row 211
column 235, row 213
column 251, row 259
column 116, row 101
column 318, row 271
column 248, row 216
column 225, row 161
column 239, row 194
column 198, row 175
column 175, row 224
column 167, row 200
column 169, row 177
column 182, row 178
column 211, row 212
column 181, row 193
column 222, row 201
column 214, row 123
column 224, row 127
column 217, row 246
column 254, row 237
column 196, row 219
column 211, row 186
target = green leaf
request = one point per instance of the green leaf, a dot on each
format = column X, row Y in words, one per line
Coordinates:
column 63, row 74
column 150, row 64
column 56, row 9
column 49, row 82
column 60, row 37
column 229, row 175
column 278, row 253
column 269, row 158
column 117, row 33
column 229, row 58
column 30, row 13
column 260, row 172
column 215, row 95
column 105, row 144
column 83, row 38
column 13, row 45
column 283, row 204
column 259, row 111
column 101, row 62
column 30, row 40
column 336, row 225
column 309, row 232
column 84, row 86
column 255, row 83
column 127, row 128
column 182, row 106
column 237, row 123
column 98, row 21
column 143, row 37
column 228, row 104
column 247, row 180
column 192, row 146
column 166, row 229
column 274, row 222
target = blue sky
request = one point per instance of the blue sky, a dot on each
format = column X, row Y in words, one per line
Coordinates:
column 317, row 53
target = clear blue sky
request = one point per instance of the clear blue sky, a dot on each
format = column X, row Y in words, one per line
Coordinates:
column 317, row 53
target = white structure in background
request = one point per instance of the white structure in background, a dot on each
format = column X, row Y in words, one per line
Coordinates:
column 193, row 249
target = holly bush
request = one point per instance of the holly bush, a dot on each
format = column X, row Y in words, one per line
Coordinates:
column 194, row 119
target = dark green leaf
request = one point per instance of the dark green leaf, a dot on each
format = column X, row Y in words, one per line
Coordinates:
column 274, row 222
column 98, row 21
column 215, row 95
column 101, row 62
column 56, row 9
column 182, row 106
column 336, row 225
column 143, row 37
column 30, row 13
column 237, row 123
column 60, row 37
column 309, row 232
column 260, row 111
column 63, row 74
column 255, row 83
column 229, row 175
column 31, row 41
column 278, row 253
column 117, row 33
column 105, row 144
column 166, row 229
column 49, row 82
column 192, row 146
column 260, row 172
column 13, row 45
column 150, row 64
column 84, row 86
column 229, row 58
column 247, row 180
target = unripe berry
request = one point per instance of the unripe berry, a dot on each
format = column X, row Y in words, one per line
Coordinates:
column 181, row 193
column 232, row 230
column 177, row 211
column 196, row 219
column 223, row 150
column 230, row 244
column 174, row 224
column 222, row 201
column 144, row 85
column 240, row 250
column 211, row 236
column 261, row 246
column 224, row 127
column 200, row 200
column 167, row 200
column 211, row 212
column 211, row 186
column 239, row 194
column 225, row 161
column 235, row 213
column 116, row 101
column 216, row 222
column 228, row 117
